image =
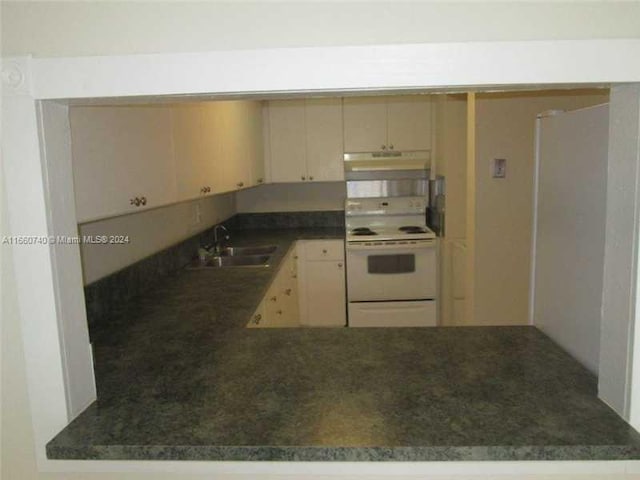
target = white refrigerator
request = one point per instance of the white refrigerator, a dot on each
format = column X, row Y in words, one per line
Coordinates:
column 569, row 229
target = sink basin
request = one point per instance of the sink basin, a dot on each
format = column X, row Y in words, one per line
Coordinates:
column 237, row 251
column 238, row 261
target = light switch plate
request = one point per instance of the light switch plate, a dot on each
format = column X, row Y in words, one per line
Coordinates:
column 499, row 167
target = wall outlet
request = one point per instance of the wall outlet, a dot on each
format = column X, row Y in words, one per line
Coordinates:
column 196, row 215
column 499, row 167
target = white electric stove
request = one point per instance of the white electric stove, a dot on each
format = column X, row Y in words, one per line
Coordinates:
column 391, row 263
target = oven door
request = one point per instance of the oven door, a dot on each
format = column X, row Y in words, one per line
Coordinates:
column 391, row 271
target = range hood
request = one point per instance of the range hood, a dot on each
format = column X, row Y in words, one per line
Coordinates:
column 387, row 173
column 387, row 160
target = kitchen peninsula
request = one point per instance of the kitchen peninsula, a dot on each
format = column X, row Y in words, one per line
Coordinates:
column 180, row 378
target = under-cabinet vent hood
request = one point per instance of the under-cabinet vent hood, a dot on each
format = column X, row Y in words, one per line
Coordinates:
column 387, row 173
column 387, row 160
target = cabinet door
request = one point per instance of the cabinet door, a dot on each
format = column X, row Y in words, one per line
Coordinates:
column 255, row 142
column 326, row 300
column 288, row 149
column 324, row 139
column 194, row 175
column 120, row 153
column 365, row 124
column 213, row 131
column 409, row 122
column 236, row 166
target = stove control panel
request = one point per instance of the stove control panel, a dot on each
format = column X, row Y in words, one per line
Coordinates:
column 386, row 206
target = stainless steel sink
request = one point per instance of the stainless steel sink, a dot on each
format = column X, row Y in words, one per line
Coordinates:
column 238, row 261
column 237, row 251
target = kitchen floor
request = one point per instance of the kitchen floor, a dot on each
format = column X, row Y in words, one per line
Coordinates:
column 181, row 378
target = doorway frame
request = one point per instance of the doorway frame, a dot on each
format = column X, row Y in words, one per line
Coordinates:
column 30, row 187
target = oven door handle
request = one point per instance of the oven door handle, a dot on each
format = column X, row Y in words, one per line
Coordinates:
column 420, row 245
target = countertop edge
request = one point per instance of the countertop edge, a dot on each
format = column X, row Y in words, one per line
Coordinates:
column 344, row 454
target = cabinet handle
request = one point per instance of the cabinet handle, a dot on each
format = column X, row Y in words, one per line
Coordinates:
column 257, row 318
column 240, row 184
column 324, row 250
column 391, row 147
column 295, row 257
column 339, row 265
column 310, row 178
column 274, row 298
column 303, row 177
column 294, row 276
column 383, row 147
column 260, row 180
column 134, row 201
column 207, row 189
column 287, row 291
column 279, row 312
column 143, row 200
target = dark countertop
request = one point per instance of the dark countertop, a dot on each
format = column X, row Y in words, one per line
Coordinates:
column 180, row 378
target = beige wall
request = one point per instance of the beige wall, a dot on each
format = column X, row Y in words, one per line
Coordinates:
column 292, row 197
column 504, row 207
column 149, row 232
column 99, row 28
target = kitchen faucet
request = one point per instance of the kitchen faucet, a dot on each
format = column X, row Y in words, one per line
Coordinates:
column 217, row 243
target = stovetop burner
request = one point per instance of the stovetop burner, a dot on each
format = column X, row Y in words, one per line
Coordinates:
column 362, row 231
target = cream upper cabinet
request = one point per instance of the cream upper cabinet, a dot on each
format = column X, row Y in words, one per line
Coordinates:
column 305, row 139
column 123, row 160
column 387, row 123
column 288, row 143
column 194, row 173
column 213, row 131
column 409, row 122
column 131, row 158
column 236, row 169
column 233, row 143
column 365, row 124
column 256, row 142
column 323, row 120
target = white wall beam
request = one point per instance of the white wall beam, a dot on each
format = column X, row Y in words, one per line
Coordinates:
column 478, row 64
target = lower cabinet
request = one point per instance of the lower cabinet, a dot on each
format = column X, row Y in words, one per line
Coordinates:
column 279, row 307
column 321, row 274
column 308, row 290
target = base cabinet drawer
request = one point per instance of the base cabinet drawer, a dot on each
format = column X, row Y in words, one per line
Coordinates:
column 420, row 313
column 318, row 250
